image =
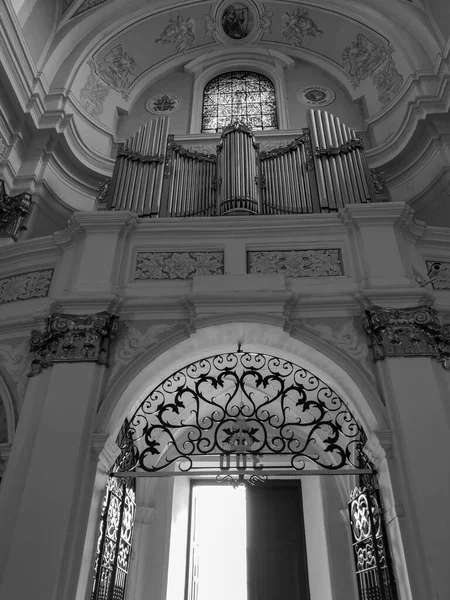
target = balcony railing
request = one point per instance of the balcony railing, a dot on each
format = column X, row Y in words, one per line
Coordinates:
column 320, row 171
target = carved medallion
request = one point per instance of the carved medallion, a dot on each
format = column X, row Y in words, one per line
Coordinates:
column 163, row 104
column 73, row 338
column 316, row 95
column 237, row 21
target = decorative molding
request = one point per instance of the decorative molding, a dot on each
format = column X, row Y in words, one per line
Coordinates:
column 13, row 210
column 439, row 274
column 73, row 338
column 296, row 263
column 35, row 284
column 297, row 25
column 180, row 32
column 163, row 104
column 346, row 339
column 415, row 331
column 5, row 451
column 177, row 265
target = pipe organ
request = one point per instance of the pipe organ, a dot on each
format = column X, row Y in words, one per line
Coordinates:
column 320, row 171
column 238, row 171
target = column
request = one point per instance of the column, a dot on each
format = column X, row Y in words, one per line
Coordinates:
column 46, row 493
column 409, row 345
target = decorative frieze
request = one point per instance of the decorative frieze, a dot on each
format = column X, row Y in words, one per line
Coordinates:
column 73, row 338
column 296, row 263
column 25, row 286
column 177, row 265
column 439, row 274
column 13, row 210
column 415, row 331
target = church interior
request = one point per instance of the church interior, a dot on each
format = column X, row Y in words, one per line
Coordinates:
column 224, row 299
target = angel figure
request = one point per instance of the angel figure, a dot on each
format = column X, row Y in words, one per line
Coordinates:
column 178, row 32
column 297, row 25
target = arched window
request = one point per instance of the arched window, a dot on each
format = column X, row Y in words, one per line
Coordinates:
column 239, row 95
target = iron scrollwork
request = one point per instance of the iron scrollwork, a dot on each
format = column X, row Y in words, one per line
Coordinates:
column 244, row 402
column 73, row 338
column 370, row 548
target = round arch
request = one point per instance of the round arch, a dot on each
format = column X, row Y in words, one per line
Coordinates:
column 328, row 363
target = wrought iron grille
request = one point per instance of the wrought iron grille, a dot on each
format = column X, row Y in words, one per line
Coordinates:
column 116, row 530
column 370, row 548
column 239, row 96
column 244, row 403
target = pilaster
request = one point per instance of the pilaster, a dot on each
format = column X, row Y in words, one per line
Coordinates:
column 405, row 344
column 52, row 451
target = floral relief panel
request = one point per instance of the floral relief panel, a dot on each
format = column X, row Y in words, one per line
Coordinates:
column 25, row 286
column 296, row 263
column 177, row 265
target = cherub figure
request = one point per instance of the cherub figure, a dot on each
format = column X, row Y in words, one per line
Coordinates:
column 178, row 32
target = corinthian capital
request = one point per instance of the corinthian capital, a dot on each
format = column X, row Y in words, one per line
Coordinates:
column 73, row 338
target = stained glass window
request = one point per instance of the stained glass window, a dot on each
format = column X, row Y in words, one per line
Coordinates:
column 239, row 96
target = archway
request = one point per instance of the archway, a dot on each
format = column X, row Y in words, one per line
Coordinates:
column 178, row 424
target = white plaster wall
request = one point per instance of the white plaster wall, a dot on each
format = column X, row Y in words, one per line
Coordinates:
column 304, row 75
column 178, row 82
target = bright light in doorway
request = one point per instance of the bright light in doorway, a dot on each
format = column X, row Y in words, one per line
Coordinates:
column 218, row 568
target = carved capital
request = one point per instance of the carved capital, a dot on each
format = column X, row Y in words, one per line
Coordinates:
column 415, row 331
column 73, row 338
column 13, row 210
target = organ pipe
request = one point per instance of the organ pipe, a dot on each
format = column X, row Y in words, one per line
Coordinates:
column 320, row 171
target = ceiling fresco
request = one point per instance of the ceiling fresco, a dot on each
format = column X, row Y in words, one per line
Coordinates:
column 359, row 54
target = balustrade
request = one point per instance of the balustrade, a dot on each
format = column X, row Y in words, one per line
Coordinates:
column 319, row 171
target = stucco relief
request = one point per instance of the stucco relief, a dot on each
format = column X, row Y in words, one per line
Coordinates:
column 296, row 263
column 15, row 359
column 177, row 265
column 2, row 147
column 439, row 274
column 297, row 25
column 180, row 32
column 86, row 5
column 345, row 336
column 237, row 21
column 117, row 69
column 25, row 286
column 364, row 58
column 94, row 93
column 132, row 343
column 388, row 81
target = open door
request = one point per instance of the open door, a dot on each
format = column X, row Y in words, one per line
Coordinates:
column 276, row 550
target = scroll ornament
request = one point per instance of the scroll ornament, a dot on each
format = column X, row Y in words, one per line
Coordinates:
column 73, row 338
column 13, row 210
column 415, row 331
